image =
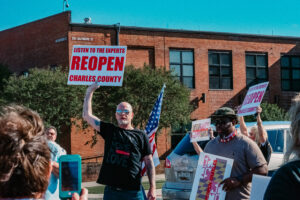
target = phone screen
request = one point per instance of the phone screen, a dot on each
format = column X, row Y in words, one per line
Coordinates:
column 69, row 176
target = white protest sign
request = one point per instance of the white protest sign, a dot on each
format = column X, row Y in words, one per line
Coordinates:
column 104, row 64
column 253, row 99
column 259, row 186
column 211, row 171
column 199, row 130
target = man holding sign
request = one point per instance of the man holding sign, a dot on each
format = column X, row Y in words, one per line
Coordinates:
column 247, row 157
column 125, row 147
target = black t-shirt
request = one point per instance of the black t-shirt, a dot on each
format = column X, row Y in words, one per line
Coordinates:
column 285, row 183
column 123, row 153
column 266, row 150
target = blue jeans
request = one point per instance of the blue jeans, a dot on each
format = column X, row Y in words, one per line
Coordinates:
column 111, row 193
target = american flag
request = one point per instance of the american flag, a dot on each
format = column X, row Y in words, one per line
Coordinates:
column 152, row 127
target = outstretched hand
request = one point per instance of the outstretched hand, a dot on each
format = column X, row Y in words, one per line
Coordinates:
column 258, row 109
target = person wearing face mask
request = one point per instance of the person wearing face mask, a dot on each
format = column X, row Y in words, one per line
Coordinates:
column 125, row 148
column 248, row 159
column 258, row 134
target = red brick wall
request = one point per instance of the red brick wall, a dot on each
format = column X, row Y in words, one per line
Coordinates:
column 33, row 44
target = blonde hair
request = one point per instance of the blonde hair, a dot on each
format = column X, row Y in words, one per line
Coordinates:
column 294, row 147
column 24, row 153
column 255, row 130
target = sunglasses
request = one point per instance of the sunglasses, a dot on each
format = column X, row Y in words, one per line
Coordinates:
column 126, row 112
column 222, row 121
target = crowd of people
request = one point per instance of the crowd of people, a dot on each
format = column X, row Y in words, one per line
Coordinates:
column 31, row 154
column 251, row 152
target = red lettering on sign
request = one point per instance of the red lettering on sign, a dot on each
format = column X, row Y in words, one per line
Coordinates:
column 75, row 62
column 83, row 63
column 71, row 78
column 92, row 63
column 110, row 63
column 259, row 97
column 102, row 61
column 119, row 63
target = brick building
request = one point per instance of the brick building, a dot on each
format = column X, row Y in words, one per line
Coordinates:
column 217, row 67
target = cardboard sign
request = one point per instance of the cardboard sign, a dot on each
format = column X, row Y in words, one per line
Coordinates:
column 199, row 130
column 259, row 186
column 211, row 171
column 253, row 99
column 104, row 64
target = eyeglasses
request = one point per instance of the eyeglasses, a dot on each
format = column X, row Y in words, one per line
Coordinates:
column 126, row 112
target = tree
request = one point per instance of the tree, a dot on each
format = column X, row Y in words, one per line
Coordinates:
column 46, row 91
column 140, row 88
column 270, row 112
column 4, row 75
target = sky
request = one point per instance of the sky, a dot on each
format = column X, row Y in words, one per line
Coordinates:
column 263, row 17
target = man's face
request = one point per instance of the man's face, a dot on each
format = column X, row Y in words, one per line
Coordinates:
column 124, row 114
column 224, row 126
column 51, row 135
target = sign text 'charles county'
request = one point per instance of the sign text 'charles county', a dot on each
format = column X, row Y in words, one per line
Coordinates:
column 104, row 64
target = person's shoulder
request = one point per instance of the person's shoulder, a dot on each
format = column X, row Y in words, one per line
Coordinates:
column 53, row 146
column 213, row 142
column 244, row 139
column 292, row 166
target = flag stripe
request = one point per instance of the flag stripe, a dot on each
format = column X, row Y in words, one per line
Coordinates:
column 151, row 129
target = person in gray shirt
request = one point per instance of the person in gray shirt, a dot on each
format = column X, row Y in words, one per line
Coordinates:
column 248, row 159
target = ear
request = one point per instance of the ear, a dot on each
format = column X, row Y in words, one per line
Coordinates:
column 132, row 114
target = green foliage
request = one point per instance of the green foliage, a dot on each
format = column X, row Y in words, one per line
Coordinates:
column 141, row 88
column 46, row 91
column 4, row 75
column 270, row 112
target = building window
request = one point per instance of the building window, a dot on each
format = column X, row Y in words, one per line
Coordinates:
column 220, row 70
column 182, row 66
column 256, row 68
column 290, row 73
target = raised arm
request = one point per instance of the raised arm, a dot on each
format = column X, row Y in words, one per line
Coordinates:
column 87, row 108
column 263, row 136
column 150, row 169
column 243, row 127
column 196, row 147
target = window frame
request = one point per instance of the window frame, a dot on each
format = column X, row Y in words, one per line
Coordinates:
column 256, row 80
column 181, row 64
column 290, row 68
column 220, row 66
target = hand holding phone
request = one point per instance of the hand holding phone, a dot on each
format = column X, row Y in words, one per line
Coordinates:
column 69, row 175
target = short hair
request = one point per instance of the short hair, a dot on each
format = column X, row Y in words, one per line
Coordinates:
column 128, row 104
column 24, row 151
column 51, row 127
column 257, row 138
column 294, row 146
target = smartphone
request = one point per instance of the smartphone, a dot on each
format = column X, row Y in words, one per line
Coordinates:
column 69, row 175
